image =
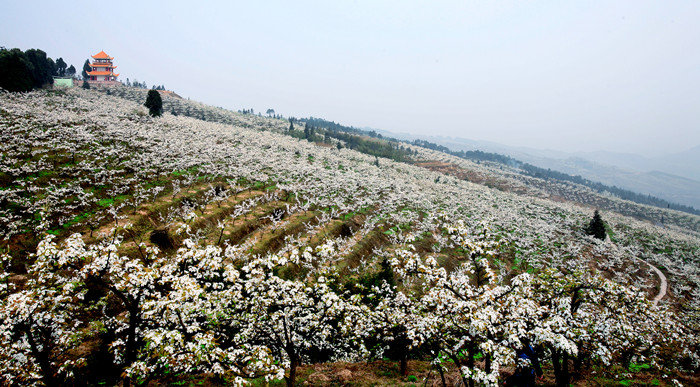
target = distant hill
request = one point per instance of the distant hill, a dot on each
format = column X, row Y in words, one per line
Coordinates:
column 675, row 177
column 684, row 163
column 668, row 186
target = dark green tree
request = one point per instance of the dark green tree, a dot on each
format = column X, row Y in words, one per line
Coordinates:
column 86, row 68
column 291, row 126
column 61, row 66
column 70, row 71
column 15, row 71
column 42, row 67
column 309, row 134
column 596, row 227
column 86, row 85
column 154, row 103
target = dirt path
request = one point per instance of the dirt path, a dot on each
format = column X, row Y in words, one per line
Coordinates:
column 664, row 284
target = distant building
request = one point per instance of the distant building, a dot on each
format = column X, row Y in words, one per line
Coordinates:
column 102, row 68
column 62, row 82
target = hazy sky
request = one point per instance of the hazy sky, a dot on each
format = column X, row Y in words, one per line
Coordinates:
column 569, row 75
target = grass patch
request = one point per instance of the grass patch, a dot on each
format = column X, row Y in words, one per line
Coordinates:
column 639, row 367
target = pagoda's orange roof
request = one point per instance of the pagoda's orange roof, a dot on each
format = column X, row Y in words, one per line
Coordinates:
column 102, row 55
column 101, row 73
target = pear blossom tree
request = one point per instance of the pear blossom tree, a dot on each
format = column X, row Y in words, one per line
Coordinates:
column 479, row 271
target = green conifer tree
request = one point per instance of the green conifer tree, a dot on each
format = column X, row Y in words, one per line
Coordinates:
column 86, row 68
column 154, row 103
column 596, row 227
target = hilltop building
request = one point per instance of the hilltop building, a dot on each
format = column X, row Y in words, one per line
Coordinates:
column 62, row 82
column 102, row 68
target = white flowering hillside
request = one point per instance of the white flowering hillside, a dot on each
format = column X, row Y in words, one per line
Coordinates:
column 149, row 251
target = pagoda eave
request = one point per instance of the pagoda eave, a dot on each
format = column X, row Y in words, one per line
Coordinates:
column 94, row 73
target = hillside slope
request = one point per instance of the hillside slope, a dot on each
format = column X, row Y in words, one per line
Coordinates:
column 632, row 172
column 665, row 185
column 198, row 243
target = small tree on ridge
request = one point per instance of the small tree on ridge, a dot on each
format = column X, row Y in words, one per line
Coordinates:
column 154, row 103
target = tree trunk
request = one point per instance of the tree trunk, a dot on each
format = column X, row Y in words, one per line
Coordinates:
column 561, row 370
column 557, row 366
column 470, row 360
column 130, row 350
column 293, row 364
column 442, row 375
column 42, row 358
column 459, row 368
column 404, row 365
column 578, row 362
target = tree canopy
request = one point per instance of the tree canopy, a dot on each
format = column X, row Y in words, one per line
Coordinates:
column 86, row 68
column 154, row 103
column 597, row 227
column 43, row 67
column 61, row 66
column 23, row 71
column 15, row 71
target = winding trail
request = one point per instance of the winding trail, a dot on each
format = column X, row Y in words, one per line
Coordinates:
column 664, row 283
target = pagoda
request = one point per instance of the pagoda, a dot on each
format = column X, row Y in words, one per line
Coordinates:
column 102, row 68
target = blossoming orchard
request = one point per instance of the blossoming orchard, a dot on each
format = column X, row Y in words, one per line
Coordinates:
column 136, row 250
